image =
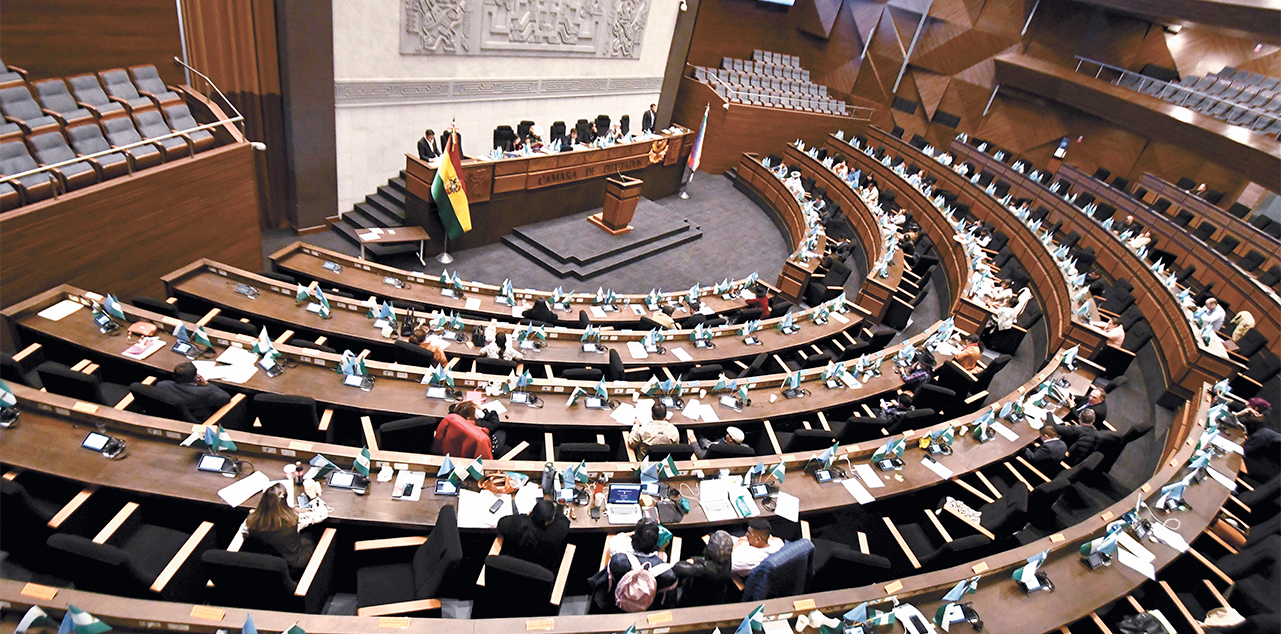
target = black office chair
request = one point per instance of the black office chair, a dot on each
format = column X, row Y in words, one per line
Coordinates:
column 726, row 450
column 132, row 559
column 557, row 131
column 523, row 128
column 582, row 374
column 836, row 563
column 796, row 441
column 1204, row 231
column 616, row 371
column 580, row 451
column 291, row 417
column 60, row 379
column 307, row 343
column 502, row 367
column 754, row 368
column 152, row 401
column 1251, row 261
column 678, row 451
column 408, row 435
column 262, row 582
column 423, row 576
column 22, row 371
column 514, row 587
column 234, row 326
column 932, row 551
column 24, row 524
column 625, row 124
column 602, row 124
column 1102, row 174
column 1183, row 218
column 709, row 372
column 155, row 306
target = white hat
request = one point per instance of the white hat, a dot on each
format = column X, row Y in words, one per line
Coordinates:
column 735, row 434
column 537, row 130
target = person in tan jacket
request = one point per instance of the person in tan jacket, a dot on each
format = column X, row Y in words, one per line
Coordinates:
column 656, row 431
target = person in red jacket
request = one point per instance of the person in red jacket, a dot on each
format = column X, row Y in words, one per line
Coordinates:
column 459, row 435
column 761, row 301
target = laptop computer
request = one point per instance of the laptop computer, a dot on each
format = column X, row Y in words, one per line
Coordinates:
column 623, row 503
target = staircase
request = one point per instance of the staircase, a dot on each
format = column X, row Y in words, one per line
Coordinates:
column 383, row 209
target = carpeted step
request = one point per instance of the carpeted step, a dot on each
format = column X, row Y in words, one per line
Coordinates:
column 600, row 265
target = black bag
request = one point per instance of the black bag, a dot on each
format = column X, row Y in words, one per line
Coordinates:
column 478, row 337
column 1140, row 624
column 407, row 326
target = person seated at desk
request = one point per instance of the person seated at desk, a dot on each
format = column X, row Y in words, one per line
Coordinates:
column 459, row 434
column 541, row 312
column 276, row 526
column 498, row 346
column 420, row 337
column 1114, row 332
column 663, row 316
column 656, row 431
column 1260, row 449
column 568, row 141
column 645, row 552
column 1005, row 317
column 920, row 372
column 1140, row 241
column 704, row 579
column 1051, row 451
column 751, row 549
column 1082, row 438
column 615, row 134
column 1241, row 323
column 1095, row 400
column 761, row 299
column 944, row 158
column 427, row 148
column 963, row 169
column 841, row 169
column 1121, row 227
column 733, row 436
column 891, row 411
column 870, row 194
column 793, row 185
column 190, row 389
column 1210, row 314
column 971, row 352
column 536, row 537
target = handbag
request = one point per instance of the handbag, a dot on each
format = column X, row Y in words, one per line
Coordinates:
column 1144, row 623
column 407, row 326
column 498, row 483
column 140, row 329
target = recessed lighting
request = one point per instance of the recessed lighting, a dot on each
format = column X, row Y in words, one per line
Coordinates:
column 1258, row 48
column 1174, row 29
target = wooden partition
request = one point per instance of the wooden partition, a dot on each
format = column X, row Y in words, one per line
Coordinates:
column 1251, row 237
column 735, row 128
column 121, row 236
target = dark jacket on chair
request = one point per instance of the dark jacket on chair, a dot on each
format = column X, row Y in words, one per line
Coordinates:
column 201, row 400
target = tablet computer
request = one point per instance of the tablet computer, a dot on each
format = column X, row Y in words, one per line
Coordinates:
column 342, row 480
column 445, row 487
column 95, row 441
column 215, row 464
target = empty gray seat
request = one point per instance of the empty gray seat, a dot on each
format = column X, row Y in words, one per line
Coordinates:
column 180, row 119
column 89, row 95
column 152, row 126
column 15, row 159
column 120, row 131
column 117, row 85
column 10, row 74
column 50, row 148
column 147, row 80
column 86, row 138
column 18, row 107
column 57, row 100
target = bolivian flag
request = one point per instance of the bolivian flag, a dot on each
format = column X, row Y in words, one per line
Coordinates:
column 447, row 191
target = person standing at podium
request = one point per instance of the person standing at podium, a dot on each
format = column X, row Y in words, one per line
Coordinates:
column 427, row 148
column 649, row 118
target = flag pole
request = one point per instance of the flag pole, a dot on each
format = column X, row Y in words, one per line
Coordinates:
column 445, row 257
column 695, row 156
column 684, row 194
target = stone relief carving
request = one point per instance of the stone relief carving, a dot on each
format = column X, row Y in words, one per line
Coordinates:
column 561, row 28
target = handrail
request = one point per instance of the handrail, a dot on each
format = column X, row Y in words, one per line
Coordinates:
column 790, row 100
column 122, row 148
column 1125, row 72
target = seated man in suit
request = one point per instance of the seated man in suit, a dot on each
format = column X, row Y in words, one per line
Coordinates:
column 1082, row 439
column 1051, row 451
column 427, row 148
column 733, row 436
column 568, row 141
column 751, row 549
column 1095, row 400
column 190, row 389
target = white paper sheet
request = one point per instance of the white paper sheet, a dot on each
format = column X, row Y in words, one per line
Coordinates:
column 237, row 356
column 856, row 489
column 717, row 510
column 869, row 476
column 472, row 303
column 692, row 409
column 495, row 406
column 681, row 354
column 788, row 506
column 937, row 467
column 840, row 319
column 145, row 351
column 1227, row 445
column 1227, row 482
column 527, row 496
column 598, row 312
column 1129, row 543
column 406, row 477
column 625, row 413
column 1004, row 431
column 1130, row 560
column 60, row 310
column 637, row 350
column 519, row 311
column 709, row 414
column 238, row 374
column 1169, row 537
column 473, row 509
column 238, row 492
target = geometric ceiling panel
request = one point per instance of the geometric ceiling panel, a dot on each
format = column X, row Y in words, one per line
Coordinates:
column 962, row 12
column 885, row 43
column 914, row 6
column 905, row 24
column 962, row 50
column 816, row 17
column 1003, row 17
column 931, row 87
column 935, row 34
column 866, row 14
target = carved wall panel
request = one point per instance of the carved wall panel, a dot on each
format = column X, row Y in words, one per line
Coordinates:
column 611, row 29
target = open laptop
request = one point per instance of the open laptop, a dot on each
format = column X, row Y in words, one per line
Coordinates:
column 623, row 504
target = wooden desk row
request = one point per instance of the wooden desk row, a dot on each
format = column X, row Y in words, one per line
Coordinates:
column 212, row 283
column 1079, row 591
column 1233, row 286
column 877, row 292
column 1247, row 233
column 308, row 262
column 1185, row 361
column 398, row 391
column 1057, row 304
column 795, row 275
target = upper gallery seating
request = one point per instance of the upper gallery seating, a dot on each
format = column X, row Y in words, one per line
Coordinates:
column 83, row 115
column 769, row 79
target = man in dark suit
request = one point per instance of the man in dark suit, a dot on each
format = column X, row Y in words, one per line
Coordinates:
column 1094, row 400
column 191, row 389
column 427, row 148
column 649, row 118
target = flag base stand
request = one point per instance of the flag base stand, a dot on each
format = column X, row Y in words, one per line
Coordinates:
column 684, row 194
column 445, row 257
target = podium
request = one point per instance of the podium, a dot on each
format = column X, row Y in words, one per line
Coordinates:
column 622, row 192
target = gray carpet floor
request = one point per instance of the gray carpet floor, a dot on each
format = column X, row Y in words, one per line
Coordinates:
column 738, row 238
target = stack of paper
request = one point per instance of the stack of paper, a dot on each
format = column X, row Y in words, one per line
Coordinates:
column 238, row 492
column 60, row 310
column 414, row 479
column 473, row 509
column 637, row 350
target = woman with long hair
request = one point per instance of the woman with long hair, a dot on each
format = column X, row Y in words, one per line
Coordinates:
column 276, row 525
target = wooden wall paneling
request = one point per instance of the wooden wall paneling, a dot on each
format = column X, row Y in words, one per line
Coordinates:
column 1257, row 20
column 123, row 235
column 56, row 38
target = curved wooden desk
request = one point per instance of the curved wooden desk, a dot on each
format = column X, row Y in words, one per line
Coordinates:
column 1080, row 591
column 1185, row 361
column 1247, row 233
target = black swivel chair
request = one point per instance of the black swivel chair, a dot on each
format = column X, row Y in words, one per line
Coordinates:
column 131, row 560
column 580, row 451
column 22, row 370
column 419, row 579
column 263, row 582
column 582, row 374
column 523, row 128
column 835, row 563
column 291, row 417
column 625, row 124
column 152, row 401
column 678, row 451
column 557, row 131
column 514, row 587
column 24, row 524
column 156, row 306
column 60, row 379
column 408, row 435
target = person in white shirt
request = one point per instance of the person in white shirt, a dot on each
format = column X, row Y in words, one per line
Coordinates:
column 1211, row 314
column 944, row 158
column 1140, row 241
column 751, row 549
